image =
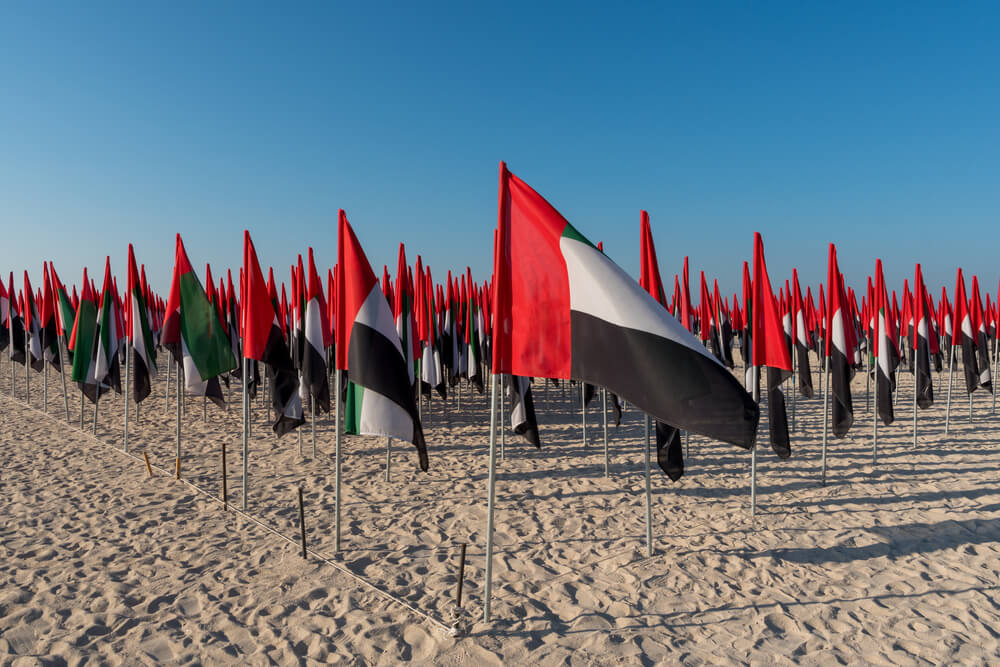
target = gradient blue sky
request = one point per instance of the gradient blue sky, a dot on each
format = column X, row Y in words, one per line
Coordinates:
column 873, row 125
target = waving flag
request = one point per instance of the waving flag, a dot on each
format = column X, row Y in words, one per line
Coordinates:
column 839, row 347
column 315, row 341
column 140, row 336
column 107, row 371
column 924, row 343
column 566, row 304
column 193, row 333
column 886, row 354
column 979, row 337
column 964, row 335
column 801, row 338
column 263, row 341
column 380, row 399
column 83, row 340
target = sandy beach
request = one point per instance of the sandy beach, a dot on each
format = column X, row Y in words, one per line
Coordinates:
column 889, row 564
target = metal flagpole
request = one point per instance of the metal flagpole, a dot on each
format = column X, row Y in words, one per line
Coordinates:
column 951, row 372
column 604, row 412
column 204, row 408
column 246, row 435
column 177, row 400
column 128, row 360
column 875, row 419
column 96, row 404
column 753, row 452
column 649, row 497
column 995, row 339
column 45, row 384
column 490, row 500
column 504, row 382
column 826, row 411
column 583, row 409
column 166, row 390
column 82, row 398
column 312, row 413
column 27, row 365
column 336, row 454
column 388, row 459
column 63, row 371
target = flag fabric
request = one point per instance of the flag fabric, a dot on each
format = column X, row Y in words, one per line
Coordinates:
column 263, row 341
column 980, row 337
column 50, row 323
column 140, row 335
column 107, row 371
column 669, row 454
column 964, row 335
column 886, row 354
column 522, row 409
column 15, row 325
column 82, row 341
column 839, row 347
column 770, row 350
column 403, row 311
column 4, row 313
column 922, row 343
column 193, row 333
column 801, row 339
column 566, row 304
column 380, row 399
column 31, row 325
column 316, row 338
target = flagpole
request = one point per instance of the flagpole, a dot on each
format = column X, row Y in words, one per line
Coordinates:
column 794, row 366
column 245, row 409
column 491, row 500
column 875, row 416
column 649, row 497
column 312, row 412
column 388, row 458
column 177, row 400
column 951, row 372
column 128, row 360
column 916, row 337
column 166, row 391
column 45, row 384
column 27, row 365
column 96, row 404
column 63, row 370
column 336, row 454
column 504, row 382
column 995, row 339
column 826, row 412
column 604, row 412
column 755, row 380
column 583, row 409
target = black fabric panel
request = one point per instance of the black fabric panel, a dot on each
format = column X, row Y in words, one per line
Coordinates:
column 664, row 379
column 840, row 379
column 925, row 387
column 669, row 453
column 140, row 378
column 376, row 364
column 777, row 414
column 314, row 375
column 805, row 374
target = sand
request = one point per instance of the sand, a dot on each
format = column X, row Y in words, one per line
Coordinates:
column 892, row 564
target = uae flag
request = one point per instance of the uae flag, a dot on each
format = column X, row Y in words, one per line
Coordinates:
column 560, row 304
column 886, row 354
column 431, row 371
column 474, row 362
column 403, row 309
column 107, row 371
column 82, row 341
column 980, row 337
column 964, row 335
column 316, row 339
column 669, row 454
column 801, row 339
column 770, row 350
column 139, row 334
column 380, row 398
column 193, row 333
column 925, row 342
column 839, row 347
column 522, row 410
column 50, row 323
column 263, row 341
column 31, row 325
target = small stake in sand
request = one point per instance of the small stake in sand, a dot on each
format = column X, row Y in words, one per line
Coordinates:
column 461, row 577
column 302, row 523
column 149, row 468
column 177, row 468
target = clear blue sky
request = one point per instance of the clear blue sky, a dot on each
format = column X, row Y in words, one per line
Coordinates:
column 873, row 125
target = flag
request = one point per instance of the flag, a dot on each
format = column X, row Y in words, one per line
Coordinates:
column 964, row 335
column 801, row 339
column 140, row 335
column 839, row 347
column 560, row 304
column 669, row 454
column 380, row 399
column 50, row 323
column 922, row 343
column 316, row 339
column 193, row 333
column 263, row 341
column 522, row 409
column 770, row 350
column 886, row 354
column 31, row 325
column 107, row 371
column 82, row 341
column 403, row 310
column 979, row 337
